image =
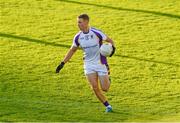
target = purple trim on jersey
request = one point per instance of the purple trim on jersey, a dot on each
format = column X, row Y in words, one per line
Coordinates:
column 102, row 58
column 76, row 39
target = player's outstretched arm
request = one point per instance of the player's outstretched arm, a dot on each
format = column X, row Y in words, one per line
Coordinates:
column 66, row 58
column 113, row 45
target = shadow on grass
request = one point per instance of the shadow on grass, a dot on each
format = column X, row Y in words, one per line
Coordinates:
column 124, row 9
column 33, row 40
column 147, row 60
column 68, row 46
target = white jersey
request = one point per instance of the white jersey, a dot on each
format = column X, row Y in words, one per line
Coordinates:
column 90, row 43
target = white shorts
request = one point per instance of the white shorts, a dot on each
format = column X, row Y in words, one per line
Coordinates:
column 100, row 69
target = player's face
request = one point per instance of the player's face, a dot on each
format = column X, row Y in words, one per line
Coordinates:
column 82, row 24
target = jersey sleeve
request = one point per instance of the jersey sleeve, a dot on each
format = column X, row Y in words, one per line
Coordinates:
column 104, row 37
column 99, row 33
column 76, row 40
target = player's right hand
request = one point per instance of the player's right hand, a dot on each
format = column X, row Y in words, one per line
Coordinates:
column 59, row 67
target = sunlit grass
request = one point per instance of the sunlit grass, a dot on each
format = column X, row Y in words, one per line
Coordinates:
column 35, row 36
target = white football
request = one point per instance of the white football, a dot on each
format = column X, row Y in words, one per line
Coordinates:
column 106, row 49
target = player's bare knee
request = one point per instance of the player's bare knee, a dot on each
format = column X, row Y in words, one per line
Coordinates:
column 95, row 88
column 105, row 89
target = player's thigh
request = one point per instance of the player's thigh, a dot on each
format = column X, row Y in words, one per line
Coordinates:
column 104, row 82
column 93, row 79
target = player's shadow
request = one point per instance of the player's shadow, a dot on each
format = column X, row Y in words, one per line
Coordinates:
column 148, row 60
column 33, row 40
column 124, row 9
column 68, row 46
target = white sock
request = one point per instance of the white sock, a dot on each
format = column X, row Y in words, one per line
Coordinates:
column 109, row 106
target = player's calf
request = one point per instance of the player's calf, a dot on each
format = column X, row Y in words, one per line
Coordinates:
column 104, row 82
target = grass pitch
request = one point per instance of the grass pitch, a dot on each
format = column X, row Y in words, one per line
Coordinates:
column 36, row 34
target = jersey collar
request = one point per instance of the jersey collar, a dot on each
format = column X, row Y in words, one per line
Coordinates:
column 88, row 31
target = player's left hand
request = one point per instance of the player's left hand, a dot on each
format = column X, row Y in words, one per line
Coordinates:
column 113, row 51
column 59, row 67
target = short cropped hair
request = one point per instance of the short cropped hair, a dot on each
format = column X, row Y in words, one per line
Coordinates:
column 84, row 16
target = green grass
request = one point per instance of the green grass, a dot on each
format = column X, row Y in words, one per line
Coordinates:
column 36, row 34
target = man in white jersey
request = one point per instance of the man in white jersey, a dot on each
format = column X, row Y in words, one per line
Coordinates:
column 95, row 65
